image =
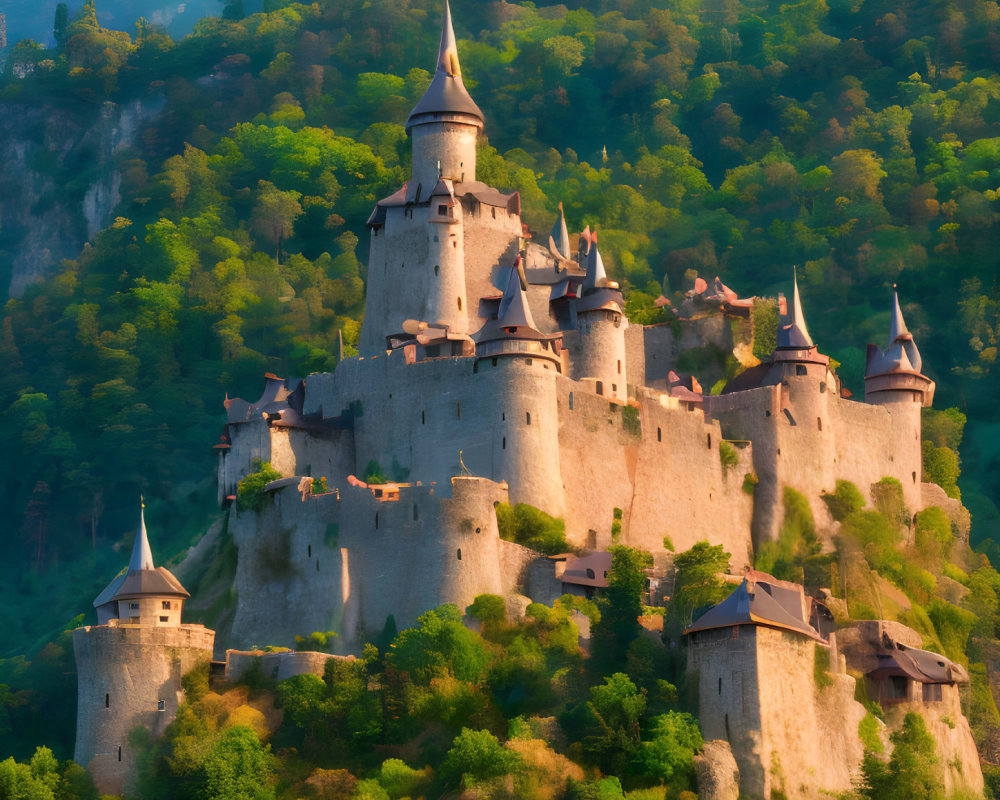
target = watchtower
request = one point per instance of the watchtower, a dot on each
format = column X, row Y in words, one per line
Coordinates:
column 130, row 665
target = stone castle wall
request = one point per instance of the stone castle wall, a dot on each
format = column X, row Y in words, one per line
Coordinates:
column 401, row 275
column 748, row 681
column 124, row 672
column 413, row 554
column 807, row 437
column 598, row 351
column 277, row 666
column 289, row 570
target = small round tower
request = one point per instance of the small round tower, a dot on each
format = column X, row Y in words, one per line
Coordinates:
column 893, row 379
column 130, row 665
column 445, row 294
column 601, row 323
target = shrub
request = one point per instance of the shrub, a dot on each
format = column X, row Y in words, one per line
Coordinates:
column 764, row 319
column 250, row 494
column 821, row 676
column 796, row 540
column 941, row 466
column 868, row 731
column 374, row 474
column 631, row 423
column 933, row 535
column 317, row 641
column 887, row 495
column 532, row 528
column 845, row 500
column 477, row 756
column 728, row 455
column 750, row 483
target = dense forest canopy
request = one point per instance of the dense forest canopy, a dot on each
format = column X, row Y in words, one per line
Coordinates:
column 857, row 140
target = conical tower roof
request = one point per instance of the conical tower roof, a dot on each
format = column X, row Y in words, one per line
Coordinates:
column 142, row 555
column 792, row 330
column 902, row 354
column 447, row 93
column 597, row 276
column 142, row 577
column 513, row 319
column 559, row 238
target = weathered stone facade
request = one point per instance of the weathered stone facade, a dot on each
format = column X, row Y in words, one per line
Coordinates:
column 129, row 677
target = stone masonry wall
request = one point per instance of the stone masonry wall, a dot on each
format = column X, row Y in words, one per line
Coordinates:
column 289, row 569
column 124, row 671
column 748, row 683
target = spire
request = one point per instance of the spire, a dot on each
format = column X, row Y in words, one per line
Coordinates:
column 559, row 238
column 597, row 276
column 142, row 555
column 514, row 310
column 792, row 330
column 897, row 327
column 447, row 93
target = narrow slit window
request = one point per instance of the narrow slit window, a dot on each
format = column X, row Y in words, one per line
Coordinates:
column 422, row 418
column 415, row 512
column 119, row 752
column 708, row 439
column 459, row 554
column 503, row 444
column 107, row 701
column 459, row 303
column 819, row 423
column 309, row 551
column 619, row 366
column 527, row 417
column 437, row 269
column 458, row 410
column 570, row 401
column 659, row 434
column 376, row 520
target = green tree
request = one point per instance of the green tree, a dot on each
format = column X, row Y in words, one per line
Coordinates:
column 239, row 767
column 621, row 603
column 476, row 757
column 697, row 583
column 912, row 773
column 274, row 214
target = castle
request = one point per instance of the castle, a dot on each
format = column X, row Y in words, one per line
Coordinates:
column 496, row 369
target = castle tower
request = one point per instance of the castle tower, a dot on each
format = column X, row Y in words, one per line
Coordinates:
column 445, row 123
column 795, row 355
column 601, row 322
column 893, row 380
column 436, row 243
column 130, row 665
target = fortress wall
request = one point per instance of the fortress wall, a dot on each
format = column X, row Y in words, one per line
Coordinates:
column 748, row 678
column 288, row 573
column 516, row 563
column 882, row 440
column 491, row 240
column 668, row 480
column 653, row 350
column 277, row 666
column 402, row 277
column 248, row 440
column 123, row 671
column 956, row 749
column 421, row 415
column 402, row 255
column 411, row 555
column 817, row 749
column 728, row 706
column 299, row 451
column 598, row 351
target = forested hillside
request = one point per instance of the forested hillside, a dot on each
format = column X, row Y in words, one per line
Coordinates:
column 857, row 140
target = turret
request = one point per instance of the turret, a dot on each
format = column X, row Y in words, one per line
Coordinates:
column 795, row 355
column 143, row 593
column 893, row 375
column 511, row 330
column 445, row 123
column 130, row 665
column 601, row 322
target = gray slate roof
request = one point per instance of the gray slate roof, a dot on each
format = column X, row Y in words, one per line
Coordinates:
column 792, row 330
column 447, row 93
column 901, row 355
column 763, row 604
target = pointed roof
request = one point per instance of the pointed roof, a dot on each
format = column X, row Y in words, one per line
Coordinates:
column 513, row 319
column 142, row 555
column 757, row 603
column 597, row 276
column 792, row 330
column 447, row 93
column 559, row 238
column 142, row 577
column 902, row 354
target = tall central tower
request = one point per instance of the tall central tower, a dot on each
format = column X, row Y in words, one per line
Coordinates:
column 436, row 243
